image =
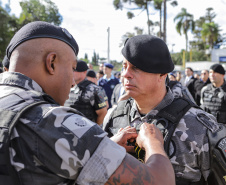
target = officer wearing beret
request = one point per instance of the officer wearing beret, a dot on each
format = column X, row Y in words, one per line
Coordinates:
column 91, row 76
column 108, row 81
column 87, row 97
column 53, row 144
column 146, row 64
column 213, row 96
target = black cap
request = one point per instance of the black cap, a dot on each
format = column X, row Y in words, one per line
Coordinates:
column 91, row 73
column 148, row 53
column 5, row 62
column 81, row 66
column 40, row 29
column 218, row 68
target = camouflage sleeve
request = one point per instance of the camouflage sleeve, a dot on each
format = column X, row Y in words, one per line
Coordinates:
column 75, row 148
column 190, row 145
column 176, row 90
column 100, row 98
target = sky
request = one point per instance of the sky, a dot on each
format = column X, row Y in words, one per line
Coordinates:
column 88, row 21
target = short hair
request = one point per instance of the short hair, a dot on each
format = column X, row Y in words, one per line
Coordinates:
column 190, row 69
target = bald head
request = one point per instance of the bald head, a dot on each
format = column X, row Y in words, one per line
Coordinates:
column 47, row 61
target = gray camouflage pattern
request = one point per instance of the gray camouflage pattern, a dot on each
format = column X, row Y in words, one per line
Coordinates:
column 189, row 147
column 52, row 144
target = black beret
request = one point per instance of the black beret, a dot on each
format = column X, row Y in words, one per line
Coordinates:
column 108, row 65
column 91, row 73
column 5, row 62
column 148, row 53
column 218, row 68
column 40, row 29
column 81, row 66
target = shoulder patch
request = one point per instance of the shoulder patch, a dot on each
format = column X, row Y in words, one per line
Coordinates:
column 207, row 121
column 222, row 146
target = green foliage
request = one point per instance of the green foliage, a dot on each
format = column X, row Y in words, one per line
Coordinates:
column 32, row 10
column 185, row 23
column 36, row 10
column 95, row 58
column 8, row 27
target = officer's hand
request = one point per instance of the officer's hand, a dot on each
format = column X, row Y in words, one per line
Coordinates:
column 149, row 135
column 125, row 135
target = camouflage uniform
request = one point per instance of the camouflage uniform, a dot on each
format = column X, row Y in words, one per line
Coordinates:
column 189, row 147
column 87, row 99
column 51, row 144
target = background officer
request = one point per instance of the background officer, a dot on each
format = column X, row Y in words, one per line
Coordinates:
column 54, row 144
column 213, row 96
column 108, row 81
column 87, row 97
column 146, row 64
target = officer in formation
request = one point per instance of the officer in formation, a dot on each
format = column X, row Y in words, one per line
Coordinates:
column 200, row 83
column 146, row 64
column 108, row 81
column 54, row 144
column 91, row 76
column 87, row 97
column 177, row 89
column 213, row 95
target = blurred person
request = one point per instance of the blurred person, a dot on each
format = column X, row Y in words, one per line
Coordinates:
column 90, row 66
column 189, row 81
column 178, row 76
column 53, row 144
column 99, row 74
column 101, row 66
column 200, row 83
column 146, row 64
column 87, row 97
column 213, row 95
column 91, row 76
column 108, row 81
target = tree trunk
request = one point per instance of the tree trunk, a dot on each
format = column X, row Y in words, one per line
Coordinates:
column 160, row 22
column 164, row 25
column 149, row 33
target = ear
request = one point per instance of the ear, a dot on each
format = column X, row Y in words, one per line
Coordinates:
column 50, row 62
column 163, row 77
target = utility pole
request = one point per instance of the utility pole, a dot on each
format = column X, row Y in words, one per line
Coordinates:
column 108, row 30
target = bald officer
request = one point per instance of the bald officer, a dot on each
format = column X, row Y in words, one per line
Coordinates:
column 53, row 144
column 146, row 64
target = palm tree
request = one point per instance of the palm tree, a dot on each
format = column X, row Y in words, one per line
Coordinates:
column 210, row 33
column 158, row 6
column 185, row 23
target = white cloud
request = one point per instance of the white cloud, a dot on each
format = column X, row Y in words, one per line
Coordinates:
column 88, row 20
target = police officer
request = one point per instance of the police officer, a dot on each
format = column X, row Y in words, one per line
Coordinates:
column 54, row 144
column 146, row 64
column 213, row 96
column 108, row 81
column 87, row 97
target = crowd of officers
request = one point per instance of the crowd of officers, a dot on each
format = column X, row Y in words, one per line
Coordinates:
column 55, row 143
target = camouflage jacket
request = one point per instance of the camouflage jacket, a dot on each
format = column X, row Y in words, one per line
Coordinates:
column 87, row 98
column 51, row 144
column 189, row 147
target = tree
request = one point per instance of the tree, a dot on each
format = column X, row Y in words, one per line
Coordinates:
column 158, row 6
column 95, row 58
column 142, row 5
column 138, row 31
column 173, row 3
column 210, row 33
column 8, row 26
column 185, row 23
column 39, row 10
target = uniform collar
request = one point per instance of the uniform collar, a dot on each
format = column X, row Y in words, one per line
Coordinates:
column 105, row 77
column 19, row 80
column 167, row 100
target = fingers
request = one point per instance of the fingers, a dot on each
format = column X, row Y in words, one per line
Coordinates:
column 130, row 149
